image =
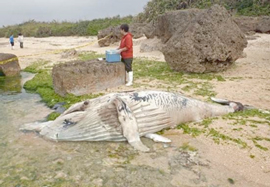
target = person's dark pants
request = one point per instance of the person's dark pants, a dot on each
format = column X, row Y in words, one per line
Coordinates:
column 128, row 63
column 21, row 44
column 12, row 43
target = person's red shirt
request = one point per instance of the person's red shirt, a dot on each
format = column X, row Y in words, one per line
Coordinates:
column 126, row 41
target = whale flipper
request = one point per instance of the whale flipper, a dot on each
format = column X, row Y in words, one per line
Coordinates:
column 157, row 138
column 129, row 125
column 220, row 101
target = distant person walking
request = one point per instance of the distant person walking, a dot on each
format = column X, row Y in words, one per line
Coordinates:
column 11, row 40
column 126, row 51
column 20, row 39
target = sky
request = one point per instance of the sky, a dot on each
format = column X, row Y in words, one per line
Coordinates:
column 19, row 11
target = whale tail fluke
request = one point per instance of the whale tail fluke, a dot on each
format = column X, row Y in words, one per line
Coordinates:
column 237, row 106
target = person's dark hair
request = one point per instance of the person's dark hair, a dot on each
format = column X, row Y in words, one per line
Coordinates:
column 20, row 34
column 124, row 27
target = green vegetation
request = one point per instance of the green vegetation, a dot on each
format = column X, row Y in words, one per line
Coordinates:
column 217, row 136
column 259, row 146
column 152, row 10
column 10, row 84
column 198, row 83
column 54, row 28
column 147, row 70
column 226, row 134
column 37, row 67
column 256, row 139
column 88, row 56
column 252, row 156
column 242, row 7
column 188, row 130
column 238, row 116
column 43, row 85
column 42, row 82
column 231, row 181
column 187, row 147
column 207, row 122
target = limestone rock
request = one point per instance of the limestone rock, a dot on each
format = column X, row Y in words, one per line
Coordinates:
column 114, row 33
column 150, row 45
column 85, row 77
column 246, row 24
column 169, row 23
column 9, row 64
column 69, row 53
column 150, row 30
column 263, row 26
column 210, row 42
column 253, row 24
column 136, row 29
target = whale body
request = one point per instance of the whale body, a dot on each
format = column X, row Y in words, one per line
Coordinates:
column 127, row 116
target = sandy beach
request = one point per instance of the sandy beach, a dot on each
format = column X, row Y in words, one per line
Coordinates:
column 212, row 164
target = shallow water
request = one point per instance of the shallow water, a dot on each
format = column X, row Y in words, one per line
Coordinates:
column 29, row 160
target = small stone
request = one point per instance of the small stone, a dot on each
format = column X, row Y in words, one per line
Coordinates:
column 266, row 169
column 59, row 161
column 97, row 182
column 78, row 177
column 25, row 178
column 60, row 175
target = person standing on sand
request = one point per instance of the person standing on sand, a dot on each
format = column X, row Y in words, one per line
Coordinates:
column 20, row 39
column 11, row 40
column 126, row 51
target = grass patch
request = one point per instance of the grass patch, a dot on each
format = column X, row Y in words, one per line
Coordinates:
column 52, row 116
column 89, row 55
column 187, row 130
column 205, row 76
column 198, row 83
column 247, row 114
column 243, row 118
column 259, row 146
column 206, row 122
column 43, row 79
column 187, row 147
column 252, row 156
column 217, row 136
column 43, row 85
column 205, row 90
column 36, row 67
column 231, row 181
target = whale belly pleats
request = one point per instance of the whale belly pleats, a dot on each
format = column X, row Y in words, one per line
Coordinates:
column 149, row 117
column 99, row 124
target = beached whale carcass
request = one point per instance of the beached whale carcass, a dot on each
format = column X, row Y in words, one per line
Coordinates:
column 128, row 116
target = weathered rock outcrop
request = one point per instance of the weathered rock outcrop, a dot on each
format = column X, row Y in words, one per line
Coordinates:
column 69, row 53
column 9, row 64
column 253, row 24
column 167, row 25
column 153, row 44
column 209, row 42
column 136, row 29
column 85, row 77
column 108, row 36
